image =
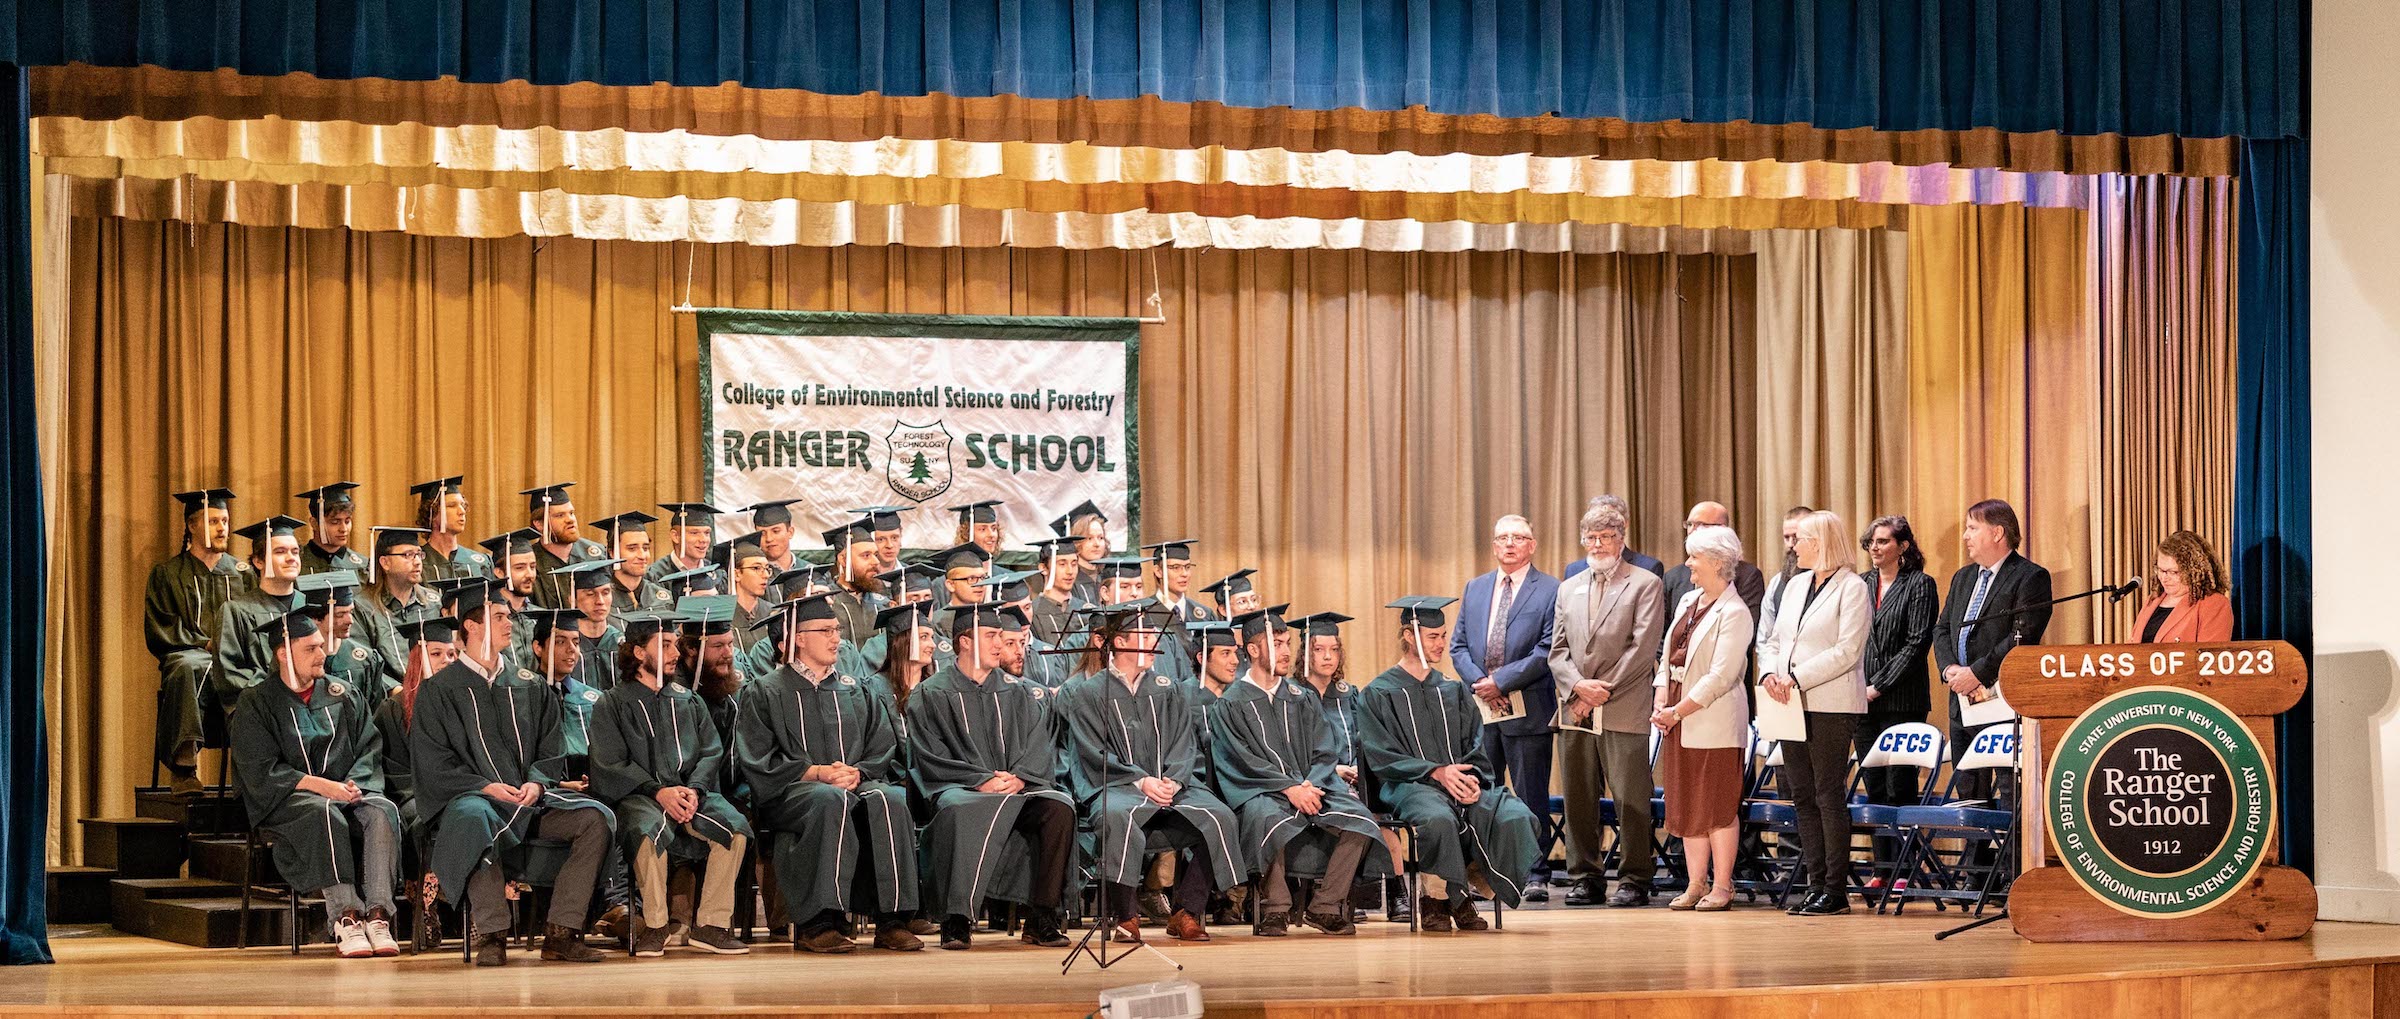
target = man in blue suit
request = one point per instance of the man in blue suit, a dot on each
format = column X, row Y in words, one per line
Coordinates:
column 1500, row 647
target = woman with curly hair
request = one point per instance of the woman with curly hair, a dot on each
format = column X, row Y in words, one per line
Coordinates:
column 2187, row 601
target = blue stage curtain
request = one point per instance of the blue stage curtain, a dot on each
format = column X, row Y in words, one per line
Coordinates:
column 24, row 744
column 2140, row 67
column 2271, row 534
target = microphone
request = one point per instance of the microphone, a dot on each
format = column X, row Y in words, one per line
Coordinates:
column 2118, row 593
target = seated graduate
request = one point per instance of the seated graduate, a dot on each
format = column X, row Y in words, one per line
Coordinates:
column 243, row 658
column 855, row 564
column 1177, row 659
column 1116, row 580
column 1275, row 757
column 429, row 651
column 820, row 751
column 983, row 753
column 655, row 757
column 305, row 753
column 597, row 636
column 708, row 662
column 512, row 565
column 554, row 654
column 908, row 656
column 1135, row 758
column 691, row 530
column 1088, row 526
column 963, row 569
column 630, row 586
column 1055, row 600
column 1324, row 666
column 911, row 584
column 486, row 746
column 1220, row 666
column 442, row 515
column 1420, row 738
column 330, row 599
column 395, row 592
column 331, row 518
column 748, row 577
column 180, row 607
column 1029, row 658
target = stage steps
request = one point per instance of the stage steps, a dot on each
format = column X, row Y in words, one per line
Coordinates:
column 134, row 847
column 206, row 913
column 174, row 872
column 79, row 894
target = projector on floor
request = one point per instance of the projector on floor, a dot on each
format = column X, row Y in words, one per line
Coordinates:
column 1167, row 999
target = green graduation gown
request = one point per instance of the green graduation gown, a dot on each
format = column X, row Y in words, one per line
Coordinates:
column 463, row 561
column 1407, row 728
column 244, row 658
column 377, row 623
column 576, row 704
column 317, row 560
column 361, row 668
column 556, row 592
column 470, row 732
column 1047, row 669
column 1198, row 700
column 181, row 607
column 399, row 774
column 643, row 595
column 1052, row 619
column 1266, row 743
column 961, row 733
column 1119, row 736
column 784, row 725
column 597, row 666
column 278, row 740
column 645, row 740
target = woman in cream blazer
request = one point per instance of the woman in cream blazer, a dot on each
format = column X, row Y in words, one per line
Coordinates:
column 1817, row 653
column 1703, row 718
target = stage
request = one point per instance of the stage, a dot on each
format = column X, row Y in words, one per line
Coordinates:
column 1753, row 961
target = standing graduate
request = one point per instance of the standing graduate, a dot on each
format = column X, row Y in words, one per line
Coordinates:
column 331, row 518
column 1275, row 756
column 1134, row 774
column 630, row 587
column 180, row 608
column 442, row 515
column 594, row 624
column 820, row 751
column 984, row 754
column 691, row 531
column 305, row 753
column 979, row 525
column 655, row 756
column 551, row 512
column 485, row 746
column 1422, row 744
column 1089, row 529
column 1054, row 599
column 396, row 593
column 243, row 658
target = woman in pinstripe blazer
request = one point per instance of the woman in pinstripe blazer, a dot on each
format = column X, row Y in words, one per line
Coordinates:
column 1899, row 684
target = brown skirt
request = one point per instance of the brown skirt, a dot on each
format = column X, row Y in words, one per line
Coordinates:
column 1704, row 787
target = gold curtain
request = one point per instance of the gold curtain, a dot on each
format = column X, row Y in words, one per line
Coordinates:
column 1441, row 390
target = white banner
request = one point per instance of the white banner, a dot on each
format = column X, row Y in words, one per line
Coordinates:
column 842, row 411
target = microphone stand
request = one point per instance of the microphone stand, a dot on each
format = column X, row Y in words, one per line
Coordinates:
column 2016, row 749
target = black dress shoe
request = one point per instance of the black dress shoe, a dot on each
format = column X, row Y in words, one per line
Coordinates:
column 1827, row 903
column 958, row 933
column 1587, row 892
column 1629, row 895
column 1800, row 899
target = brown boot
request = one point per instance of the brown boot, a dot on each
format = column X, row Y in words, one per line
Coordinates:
column 1183, row 926
column 1468, row 918
column 1273, row 925
column 1433, row 915
column 565, row 944
column 896, row 937
column 825, row 941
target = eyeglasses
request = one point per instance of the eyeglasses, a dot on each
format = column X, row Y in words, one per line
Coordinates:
column 820, row 629
column 752, row 568
column 414, row 556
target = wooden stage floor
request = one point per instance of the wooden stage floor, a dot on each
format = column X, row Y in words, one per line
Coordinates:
column 1649, row 963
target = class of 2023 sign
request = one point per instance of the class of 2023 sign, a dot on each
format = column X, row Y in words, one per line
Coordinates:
column 2160, row 802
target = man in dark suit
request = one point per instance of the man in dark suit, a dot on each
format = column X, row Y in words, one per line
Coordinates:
column 1500, row 647
column 1747, row 580
column 1968, row 654
column 1631, row 557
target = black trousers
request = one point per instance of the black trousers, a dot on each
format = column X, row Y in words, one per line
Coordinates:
column 1190, row 892
column 1050, row 826
column 1815, row 771
column 1888, row 786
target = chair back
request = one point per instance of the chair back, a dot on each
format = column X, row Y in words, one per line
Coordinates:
column 1907, row 745
column 1995, row 747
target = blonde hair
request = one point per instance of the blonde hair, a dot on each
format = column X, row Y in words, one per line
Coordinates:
column 1833, row 537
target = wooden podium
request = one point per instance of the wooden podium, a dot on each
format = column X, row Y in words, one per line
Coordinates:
column 2118, row 803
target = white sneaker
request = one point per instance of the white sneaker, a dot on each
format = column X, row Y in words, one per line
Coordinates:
column 379, row 935
column 350, row 939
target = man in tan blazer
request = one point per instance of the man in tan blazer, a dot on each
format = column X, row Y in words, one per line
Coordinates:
column 1603, row 653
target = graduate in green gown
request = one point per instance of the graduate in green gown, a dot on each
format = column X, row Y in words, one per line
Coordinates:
column 1117, row 580
column 1034, row 660
column 486, row 749
column 820, row 751
column 305, row 755
column 595, row 629
column 1088, row 527
column 442, row 515
column 1275, row 764
column 983, row 754
column 1420, row 738
column 554, row 654
column 512, row 565
column 911, row 584
column 691, row 531
column 1324, row 668
column 331, row 521
column 431, row 648
column 709, row 663
column 855, row 565
column 751, row 578
column 181, row 604
column 979, row 524
column 1134, row 773
column 772, row 530
column 394, row 593
column 963, row 567
column 883, row 523
column 331, row 599
column 1172, row 562
column 243, row 658
column 551, row 513
column 627, row 538
column 655, row 756
column 1054, row 600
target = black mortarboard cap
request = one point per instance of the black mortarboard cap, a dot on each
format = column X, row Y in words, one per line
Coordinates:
column 771, row 512
column 1322, row 624
column 327, row 498
column 842, row 537
column 961, row 557
column 289, row 626
column 1254, row 623
column 588, row 574
column 1008, row 585
column 985, row 512
column 910, row 577
column 1054, row 549
column 429, row 628
column 1171, row 550
column 1013, row 619
column 437, row 487
column 812, row 608
column 327, row 589
column 546, row 621
column 643, row 624
column 1421, row 610
column 964, row 618
column 1119, row 567
column 204, row 498
column 802, row 572
column 274, row 525
column 464, row 594
column 1225, row 587
column 882, row 518
column 681, row 584
column 1140, row 613
column 540, row 498
column 899, row 618
column 502, row 546
column 1211, row 633
column 730, row 552
column 689, row 514
column 1066, row 525
column 631, row 520
column 389, row 538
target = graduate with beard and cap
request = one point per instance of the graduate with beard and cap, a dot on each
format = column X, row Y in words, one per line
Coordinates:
column 820, row 752
column 593, row 623
column 512, row 565
column 305, row 760
column 1135, row 774
column 656, row 758
column 332, row 516
column 771, row 530
column 1088, row 528
column 181, row 604
column 394, row 593
column 855, row 566
column 1054, row 600
column 485, row 744
column 551, row 512
column 1421, row 744
column 442, row 515
column 1275, row 755
column 979, row 525
column 630, row 588
column 691, row 532
column 883, row 523
column 1035, row 663
column 330, row 600
column 984, row 754
column 243, row 658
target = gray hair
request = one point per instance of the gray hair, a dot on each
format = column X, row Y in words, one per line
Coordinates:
column 1512, row 519
column 1719, row 545
column 1616, row 502
column 1603, row 517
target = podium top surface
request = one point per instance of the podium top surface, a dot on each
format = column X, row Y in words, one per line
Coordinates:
column 2251, row 677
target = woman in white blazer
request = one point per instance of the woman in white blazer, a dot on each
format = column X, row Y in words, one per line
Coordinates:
column 1703, row 718
column 1817, row 653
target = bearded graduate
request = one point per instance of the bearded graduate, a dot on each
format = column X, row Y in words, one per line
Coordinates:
column 305, row 759
column 983, row 752
column 1275, row 754
column 820, row 752
column 1134, row 773
column 1421, row 745
column 485, row 740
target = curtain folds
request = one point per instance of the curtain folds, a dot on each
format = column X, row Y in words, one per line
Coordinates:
column 1833, row 371
column 25, row 752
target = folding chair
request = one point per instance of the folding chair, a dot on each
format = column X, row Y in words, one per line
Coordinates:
column 252, row 842
column 1907, row 745
column 1978, row 871
column 1766, row 810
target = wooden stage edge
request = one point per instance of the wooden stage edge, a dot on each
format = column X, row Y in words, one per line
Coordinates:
column 1594, row 963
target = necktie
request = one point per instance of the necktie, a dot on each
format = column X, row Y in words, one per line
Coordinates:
column 1983, row 586
column 1497, row 641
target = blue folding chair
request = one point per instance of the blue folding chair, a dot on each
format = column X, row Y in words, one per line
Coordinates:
column 1907, row 745
column 1979, row 869
column 1767, row 810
